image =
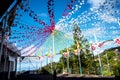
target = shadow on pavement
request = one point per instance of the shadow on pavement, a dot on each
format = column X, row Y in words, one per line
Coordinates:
column 63, row 77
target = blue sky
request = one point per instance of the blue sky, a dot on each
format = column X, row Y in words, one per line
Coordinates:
column 97, row 25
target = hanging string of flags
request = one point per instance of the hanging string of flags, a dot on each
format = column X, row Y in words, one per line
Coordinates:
column 41, row 57
column 46, row 30
column 117, row 40
column 77, row 51
column 65, row 54
column 37, row 46
column 51, row 14
column 68, row 8
column 32, row 14
column 100, row 44
column 93, row 47
column 71, row 8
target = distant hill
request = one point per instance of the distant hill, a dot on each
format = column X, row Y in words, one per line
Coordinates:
column 115, row 49
column 118, row 48
column 110, row 60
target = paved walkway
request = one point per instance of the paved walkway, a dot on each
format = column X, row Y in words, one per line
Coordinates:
column 59, row 77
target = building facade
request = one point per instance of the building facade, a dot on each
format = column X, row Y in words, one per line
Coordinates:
column 8, row 64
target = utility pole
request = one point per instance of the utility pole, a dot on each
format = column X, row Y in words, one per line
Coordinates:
column 108, row 63
column 79, row 53
column 93, row 58
column 99, row 57
column 51, row 60
column 80, row 63
column 67, row 60
column 77, row 37
column 53, row 50
column 54, row 72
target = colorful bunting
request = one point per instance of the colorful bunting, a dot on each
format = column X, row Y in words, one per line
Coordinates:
column 65, row 54
column 100, row 45
column 93, row 47
column 38, row 33
column 117, row 40
column 39, row 57
column 76, row 52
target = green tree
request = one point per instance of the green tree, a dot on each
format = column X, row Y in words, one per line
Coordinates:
column 111, row 62
column 85, row 58
column 83, row 44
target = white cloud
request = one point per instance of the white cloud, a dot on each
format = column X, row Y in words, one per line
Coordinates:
column 74, row 9
column 59, row 27
column 113, row 27
column 118, row 21
column 97, row 31
column 96, row 3
column 108, row 18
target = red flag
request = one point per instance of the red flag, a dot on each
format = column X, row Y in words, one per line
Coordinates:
column 93, row 47
column 49, row 56
column 117, row 41
column 42, row 57
column 65, row 54
column 76, row 52
column 39, row 57
column 100, row 45
column 52, row 55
